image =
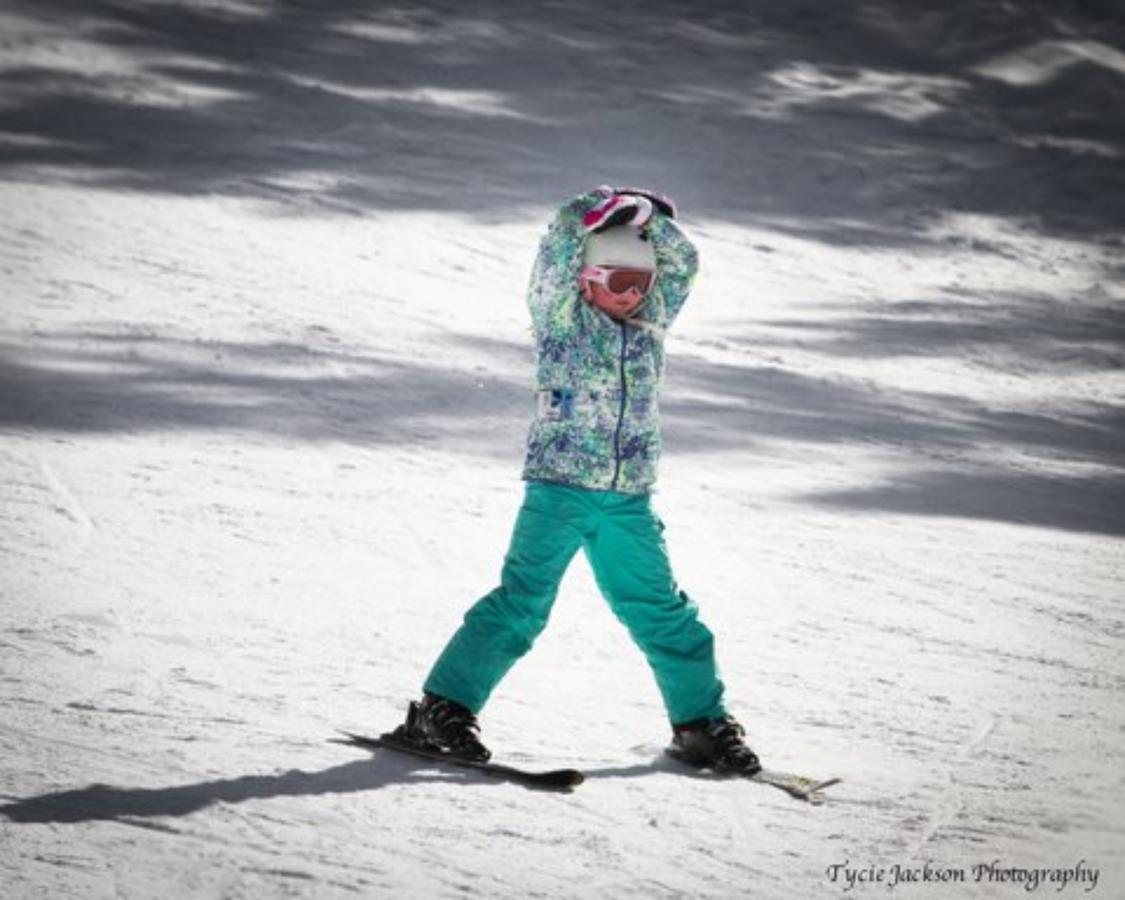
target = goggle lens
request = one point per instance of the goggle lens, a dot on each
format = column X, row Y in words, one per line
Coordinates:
column 620, row 280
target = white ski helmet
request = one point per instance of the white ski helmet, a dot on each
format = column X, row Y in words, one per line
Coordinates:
column 621, row 246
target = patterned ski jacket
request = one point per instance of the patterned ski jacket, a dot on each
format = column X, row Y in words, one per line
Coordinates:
column 597, row 380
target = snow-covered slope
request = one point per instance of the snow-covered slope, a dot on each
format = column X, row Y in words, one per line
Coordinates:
column 264, row 391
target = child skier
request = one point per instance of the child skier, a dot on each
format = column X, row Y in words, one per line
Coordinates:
column 611, row 274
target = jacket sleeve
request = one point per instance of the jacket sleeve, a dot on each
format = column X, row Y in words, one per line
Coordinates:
column 553, row 295
column 677, row 262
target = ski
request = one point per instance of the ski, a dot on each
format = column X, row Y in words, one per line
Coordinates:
column 554, row 780
column 799, row 786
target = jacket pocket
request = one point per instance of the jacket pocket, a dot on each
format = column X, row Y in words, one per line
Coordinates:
column 555, row 405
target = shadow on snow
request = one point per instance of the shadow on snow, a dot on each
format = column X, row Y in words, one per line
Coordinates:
column 850, row 123
column 104, row 802
column 955, row 456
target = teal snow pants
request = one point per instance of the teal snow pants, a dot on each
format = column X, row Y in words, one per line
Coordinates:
column 623, row 541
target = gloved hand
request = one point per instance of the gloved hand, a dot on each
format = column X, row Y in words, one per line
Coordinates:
column 663, row 202
column 618, row 209
column 626, row 206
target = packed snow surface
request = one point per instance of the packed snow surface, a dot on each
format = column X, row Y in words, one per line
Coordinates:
column 265, row 382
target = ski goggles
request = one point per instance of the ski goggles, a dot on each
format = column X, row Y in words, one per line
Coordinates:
column 620, row 279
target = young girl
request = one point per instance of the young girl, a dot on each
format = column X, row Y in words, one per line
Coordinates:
column 612, row 273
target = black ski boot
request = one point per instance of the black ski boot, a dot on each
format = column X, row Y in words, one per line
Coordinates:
column 447, row 726
column 714, row 743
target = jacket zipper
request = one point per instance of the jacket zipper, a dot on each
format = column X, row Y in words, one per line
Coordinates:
column 620, row 414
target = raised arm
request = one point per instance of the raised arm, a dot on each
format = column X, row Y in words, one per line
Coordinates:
column 677, row 262
column 552, row 295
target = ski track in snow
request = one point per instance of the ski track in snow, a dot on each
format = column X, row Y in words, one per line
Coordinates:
column 264, row 381
column 69, row 506
column 950, row 804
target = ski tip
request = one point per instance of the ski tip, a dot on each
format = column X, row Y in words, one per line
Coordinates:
column 344, row 737
column 354, row 739
column 813, row 793
column 567, row 778
column 561, row 780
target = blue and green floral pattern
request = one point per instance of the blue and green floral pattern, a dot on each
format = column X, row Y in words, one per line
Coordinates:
column 598, row 380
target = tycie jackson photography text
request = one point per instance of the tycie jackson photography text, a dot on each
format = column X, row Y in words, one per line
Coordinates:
column 1030, row 879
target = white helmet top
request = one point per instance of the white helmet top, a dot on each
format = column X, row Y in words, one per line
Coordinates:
column 620, row 246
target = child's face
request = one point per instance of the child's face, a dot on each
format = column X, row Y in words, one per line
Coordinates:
column 617, row 306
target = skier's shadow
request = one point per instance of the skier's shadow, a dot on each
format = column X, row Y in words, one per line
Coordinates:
column 107, row 802
column 659, row 764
